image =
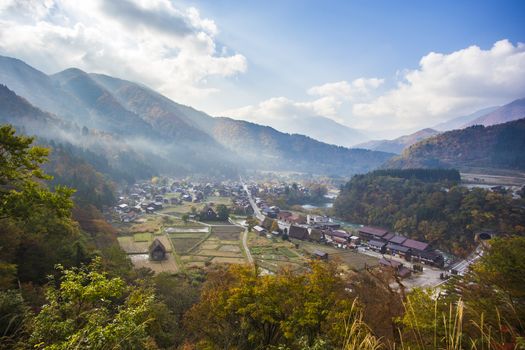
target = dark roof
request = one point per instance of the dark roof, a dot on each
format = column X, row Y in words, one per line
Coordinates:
column 339, row 239
column 374, row 231
column 156, row 244
column 376, row 244
column 298, row 232
column 429, row 255
column 320, row 253
column 417, row 245
column 397, row 239
column 338, row 233
column 403, row 272
column 397, row 247
column 391, row 263
column 388, row 236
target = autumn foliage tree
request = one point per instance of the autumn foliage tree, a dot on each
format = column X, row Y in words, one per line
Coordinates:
column 242, row 309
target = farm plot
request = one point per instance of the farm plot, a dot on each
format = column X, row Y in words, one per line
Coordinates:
column 226, row 232
column 184, row 241
column 217, row 251
column 274, row 254
column 142, row 260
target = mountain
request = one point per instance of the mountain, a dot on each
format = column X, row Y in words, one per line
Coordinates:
column 499, row 146
column 509, row 112
column 460, row 122
column 399, row 144
column 322, row 129
column 167, row 136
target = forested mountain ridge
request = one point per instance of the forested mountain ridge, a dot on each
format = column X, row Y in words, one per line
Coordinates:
column 498, row 146
column 174, row 138
column 429, row 205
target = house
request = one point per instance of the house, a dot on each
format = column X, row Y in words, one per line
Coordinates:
column 317, row 219
column 368, row 233
column 429, row 257
column 284, row 216
column 298, row 232
column 395, row 239
column 316, row 235
column 377, row 246
column 174, row 201
column 415, row 246
column 355, row 240
column 396, row 249
column 157, row 250
column 297, row 219
column 339, row 242
column 397, row 266
column 207, row 214
column 261, row 231
column 319, row 254
column 123, row 207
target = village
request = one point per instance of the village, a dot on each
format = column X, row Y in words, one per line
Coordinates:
column 169, row 226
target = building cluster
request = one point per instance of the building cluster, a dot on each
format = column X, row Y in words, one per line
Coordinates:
column 148, row 197
column 383, row 241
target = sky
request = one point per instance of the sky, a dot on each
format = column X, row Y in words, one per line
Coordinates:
column 385, row 67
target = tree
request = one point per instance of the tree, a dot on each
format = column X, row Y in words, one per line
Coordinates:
column 223, row 212
column 36, row 230
column 275, row 226
column 242, row 309
column 185, row 218
column 87, row 309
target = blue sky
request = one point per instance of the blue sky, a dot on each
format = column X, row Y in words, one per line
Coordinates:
column 383, row 67
column 293, row 45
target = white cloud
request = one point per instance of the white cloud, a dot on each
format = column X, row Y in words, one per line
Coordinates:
column 329, row 101
column 357, row 89
column 449, row 85
column 444, row 86
column 282, row 109
column 173, row 50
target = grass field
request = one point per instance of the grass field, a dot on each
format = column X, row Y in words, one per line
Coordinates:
column 353, row 259
column 142, row 237
column 168, row 265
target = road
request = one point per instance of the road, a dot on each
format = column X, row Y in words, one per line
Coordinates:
column 245, row 245
column 255, row 208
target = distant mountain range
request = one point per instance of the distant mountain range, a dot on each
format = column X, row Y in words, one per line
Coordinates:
column 462, row 121
column 399, row 144
column 125, row 121
column 322, row 129
column 512, row 111
column 498, row 146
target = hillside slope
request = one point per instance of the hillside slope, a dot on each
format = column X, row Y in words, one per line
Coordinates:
column 173, row 137
column 498, row 146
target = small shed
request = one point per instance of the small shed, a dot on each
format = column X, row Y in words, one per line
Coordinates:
column 319, row 254
column 157, row 250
